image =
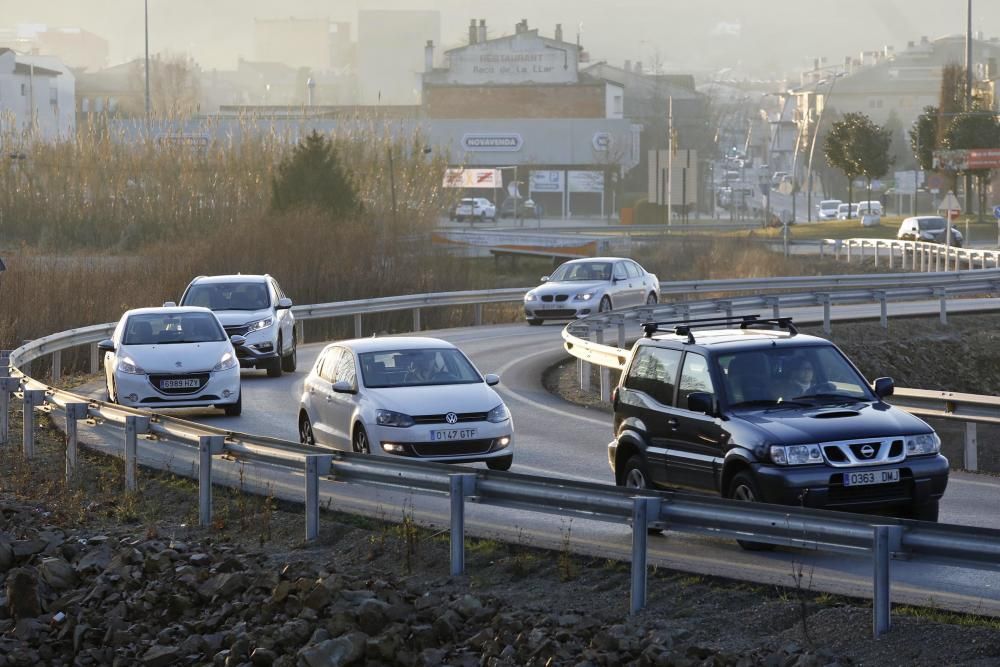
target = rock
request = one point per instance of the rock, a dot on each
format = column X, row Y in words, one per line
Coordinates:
column 432, row 657
column 160, row 656
column 22, row 594
column 57, row 573
column 318, row 598
column 95, row 560
column 262, row 657
column 199, row 559
column 384, row 647
column 468, row 606
column 6, row 554
column 372, row 616
column 223, row 585
column 335, row 652
column 24, row 548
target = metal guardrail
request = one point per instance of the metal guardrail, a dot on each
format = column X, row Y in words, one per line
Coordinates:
column 809, row 529
column 914, row 255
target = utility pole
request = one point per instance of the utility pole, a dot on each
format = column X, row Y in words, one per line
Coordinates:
column 146, row 4
column 968, row 97
column 670, row 159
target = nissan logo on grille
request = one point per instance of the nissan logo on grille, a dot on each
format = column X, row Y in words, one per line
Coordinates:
column 451, row 418
column 867, row 451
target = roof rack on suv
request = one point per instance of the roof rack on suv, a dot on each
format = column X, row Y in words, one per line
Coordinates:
column 684, row 327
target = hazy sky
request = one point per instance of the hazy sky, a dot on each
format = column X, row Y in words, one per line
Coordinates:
column 773, row 37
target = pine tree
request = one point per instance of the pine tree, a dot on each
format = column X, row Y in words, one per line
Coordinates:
column 312, row 177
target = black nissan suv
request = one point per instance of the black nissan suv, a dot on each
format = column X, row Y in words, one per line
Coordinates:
column 762, row 413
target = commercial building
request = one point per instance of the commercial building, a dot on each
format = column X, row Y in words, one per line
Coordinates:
column 36, row 97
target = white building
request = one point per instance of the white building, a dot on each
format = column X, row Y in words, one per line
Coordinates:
column 37, row 96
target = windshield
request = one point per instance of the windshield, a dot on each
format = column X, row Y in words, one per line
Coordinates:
column 932, row 224
column 412, row 368
column 168, row 329
column 809, row 375
column 582, row 271
column 228, row 296
column 829, row 205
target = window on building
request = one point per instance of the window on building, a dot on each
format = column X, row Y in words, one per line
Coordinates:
column 24, row 90
column 618, row 104
column 53, row 96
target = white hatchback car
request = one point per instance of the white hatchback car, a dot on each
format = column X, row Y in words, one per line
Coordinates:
column 172, row 358
column 475, row 208
column 415, row 397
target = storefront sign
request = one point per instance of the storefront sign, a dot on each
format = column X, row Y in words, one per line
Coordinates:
column 585, row 181
column 602, row 142
column 967, row 160
column 472, row 178
column 547, row 181
column 492, row 142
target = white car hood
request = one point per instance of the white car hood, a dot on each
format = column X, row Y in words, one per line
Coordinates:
column 570, row 287
column 193, row 357
column 234, row 318
column 436, row 399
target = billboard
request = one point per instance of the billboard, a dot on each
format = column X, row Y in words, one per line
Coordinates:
column 967, row 160
column 585, row 181
column 472, row 178
column 547, row 181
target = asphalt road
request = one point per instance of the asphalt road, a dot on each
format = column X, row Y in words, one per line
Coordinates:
column 557, row 439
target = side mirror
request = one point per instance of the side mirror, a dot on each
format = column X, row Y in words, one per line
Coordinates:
column 545, row 279
column 492, row 379
column 343, row 387
column 284, row 304
column 169, row 304
column 884, row 387
column 237, row 340
column 701, row 401
column 106, row 346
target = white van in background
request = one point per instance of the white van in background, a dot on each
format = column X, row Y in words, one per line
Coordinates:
column 827, row 209
column 872, row 207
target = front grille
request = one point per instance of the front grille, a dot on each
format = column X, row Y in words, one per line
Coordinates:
column 454, row 448
column 237, row 330
column 851, row 453
column 158, row 380
column 561, row 297
column 547, row 298
column 440, row 419
column 556, row 313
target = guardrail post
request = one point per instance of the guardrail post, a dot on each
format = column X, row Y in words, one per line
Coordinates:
column 620, row 321
column 727, row 308
column 357, row 325
column 56, row 366
column 943, row 297
column 478, row 317
column 837, row 245
column 892, row 254
column 604, row 373
column 775, row 305
column 133, row 426
column 849, row 245
column 883, row 308
column 822, row 247
column 971, row 447
column 8, row 386
column 902, row 255
column 316, row 465
column 74, row 413
column 300, row 332
column 884, row 540
column 825, row 300
column 95, row 365
column 583, row 367
column 642, row 508
column 877, row 248
column 460, row 486
column 32, row 399
column 207, row 446
column 937, row 260
column 416, row 319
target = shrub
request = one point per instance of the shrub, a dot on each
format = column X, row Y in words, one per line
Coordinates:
column 311, row 176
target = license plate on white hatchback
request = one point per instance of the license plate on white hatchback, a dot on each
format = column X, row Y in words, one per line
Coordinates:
column 453, row 434
column 183, row 383
column 876, row 477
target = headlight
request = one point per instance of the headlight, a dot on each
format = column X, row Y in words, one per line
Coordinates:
column 530, row 296
column 796, row 455
column 586, row 296
column 127, row 365
column 391, row 418
column 227, row 361
column 498, row 414
column 926, row 443
column 260, row 324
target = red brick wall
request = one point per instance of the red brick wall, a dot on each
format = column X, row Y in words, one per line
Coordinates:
column 565, row 101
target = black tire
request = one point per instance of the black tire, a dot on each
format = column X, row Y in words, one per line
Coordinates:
column 744, row 487
column 605, row 305
column 235, row 409
column 927, row 512
column 289, row 362
column 637, row 477
column 500, row 463
column 534, row 321
column 306, row 435
column 651, row 299
column 359, row 441
column 274, row 365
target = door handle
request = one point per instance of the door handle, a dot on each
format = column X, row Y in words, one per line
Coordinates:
column 672, row 423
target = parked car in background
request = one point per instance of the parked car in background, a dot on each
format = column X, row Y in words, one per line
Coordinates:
column 172, row 357
column 843, row 209
column 475, row 208
column 584, row 286
column 761, row 413
column 873, row 207
column 828, row 209
column 253, row 307
column 419, row 398
column 930, row 229
column 512, row 207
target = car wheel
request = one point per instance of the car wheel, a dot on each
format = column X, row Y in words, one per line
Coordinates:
column 289, row 363
column 927, row 512
column 359, row 442
column 306, row 436
column 534, row 321
column 501, row 463
column 235, row 409
column 637, row 477
column 651, row 299
column 744, row 487
column 274, row 365
column 605, row 305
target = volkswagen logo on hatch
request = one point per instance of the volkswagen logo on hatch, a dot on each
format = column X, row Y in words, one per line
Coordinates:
column 178, row 364
column 867, row 451
column 451, row 418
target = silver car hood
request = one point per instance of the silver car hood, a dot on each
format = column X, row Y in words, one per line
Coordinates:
column 570, row 286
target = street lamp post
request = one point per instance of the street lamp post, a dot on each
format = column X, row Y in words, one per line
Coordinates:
column 146, row 5
column 812, row 146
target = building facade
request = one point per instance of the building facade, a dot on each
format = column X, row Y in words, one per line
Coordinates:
column 36, row 97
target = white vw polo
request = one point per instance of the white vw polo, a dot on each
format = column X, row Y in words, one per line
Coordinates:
column 408, row 396
column 172, row 357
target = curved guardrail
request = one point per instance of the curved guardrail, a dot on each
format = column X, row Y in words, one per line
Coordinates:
column 915, row 255
column 810, row 529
